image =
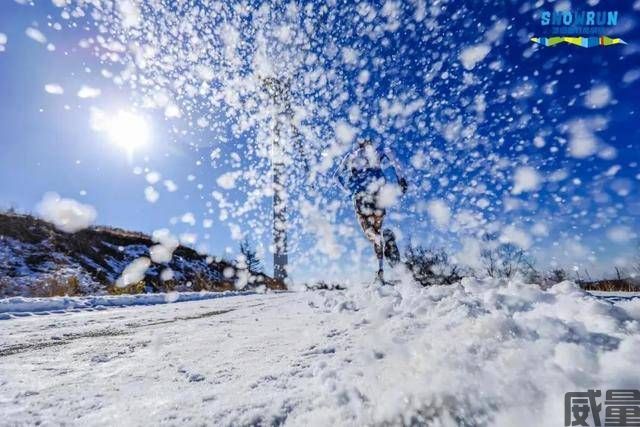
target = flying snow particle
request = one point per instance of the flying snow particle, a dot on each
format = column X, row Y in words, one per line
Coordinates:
column 172, row 111
column 326, row 242
column 540, row 229
column 134, row 272
column 165, row 238
column 88, row 92
column 388, row 195
column 631, row 76
column 204, row 72
column 496, row 31
column 471, row 254
column 36, row 35
column 354, row 114
column 153, row 177
column 67, row 215
column 188, row 238
column 350, row 56
column 228, row 180
column 129, row 13
column 439, row 212
column 53, row 89
column 470, row 56
column 363, row 77
column 514, row 235
column 613, row 170
column 597, row 97
column 3, row 41
column 620, row 234
column 207, row 223
column 228, row 272
column 151, row 194
column 170, row 185
column 483, row 203
column 167, row 243
column 242, row 277
column 284, row 33
column 236, row 231
column 166, row 274
column 539, row 141
column 419, row 159
column 582, row 140
column 188, row 218
column 345, row 132
column 60, row 3
column 525, row 179
column 160, row 253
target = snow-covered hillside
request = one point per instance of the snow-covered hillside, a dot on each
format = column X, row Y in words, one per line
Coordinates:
column 38, row 259
column 474, row 353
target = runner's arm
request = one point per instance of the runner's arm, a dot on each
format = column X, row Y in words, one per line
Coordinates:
column 340, row 173
column 389, row 157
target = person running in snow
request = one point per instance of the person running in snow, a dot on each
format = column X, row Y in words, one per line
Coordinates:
column 362, row 174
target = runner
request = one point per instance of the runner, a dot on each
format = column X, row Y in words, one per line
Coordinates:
column 362, row 174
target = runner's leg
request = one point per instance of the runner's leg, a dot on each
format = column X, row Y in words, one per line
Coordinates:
column 370, row 220
column 379, row 242
column 391, row 252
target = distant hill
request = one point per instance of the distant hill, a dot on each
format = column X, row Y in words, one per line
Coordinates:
column 36, row 259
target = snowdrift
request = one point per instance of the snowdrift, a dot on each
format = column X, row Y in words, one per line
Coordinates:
column 477, row 353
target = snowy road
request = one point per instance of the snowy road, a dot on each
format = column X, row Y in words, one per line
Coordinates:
column 232, row 360
column 476, row 353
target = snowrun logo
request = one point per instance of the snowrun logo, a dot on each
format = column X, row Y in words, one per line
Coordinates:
column 580, row 28
column 584, row 408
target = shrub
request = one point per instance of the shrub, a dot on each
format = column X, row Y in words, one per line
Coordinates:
column 55, row 286
column 9, row 288
column 431, row 266
column 324, row 286
column 134, row 288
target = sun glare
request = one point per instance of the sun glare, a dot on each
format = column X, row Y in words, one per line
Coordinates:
column 128, row 130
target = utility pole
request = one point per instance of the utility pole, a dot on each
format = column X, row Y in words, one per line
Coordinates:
column 279, row 92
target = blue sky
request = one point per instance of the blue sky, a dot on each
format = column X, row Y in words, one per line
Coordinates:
column 48, row 143
column 530, row 94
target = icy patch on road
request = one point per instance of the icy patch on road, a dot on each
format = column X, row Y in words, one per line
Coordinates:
column 478, row 352
column 19, row 306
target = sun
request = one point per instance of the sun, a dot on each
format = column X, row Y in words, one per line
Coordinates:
column 128, row 130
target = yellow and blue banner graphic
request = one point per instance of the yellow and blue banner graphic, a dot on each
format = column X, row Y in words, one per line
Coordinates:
column 578, row 41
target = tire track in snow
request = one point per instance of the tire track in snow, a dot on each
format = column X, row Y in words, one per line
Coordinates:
column 100, row 333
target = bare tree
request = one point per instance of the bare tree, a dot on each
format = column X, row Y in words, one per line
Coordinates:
column 251, row 260
column 506, row 260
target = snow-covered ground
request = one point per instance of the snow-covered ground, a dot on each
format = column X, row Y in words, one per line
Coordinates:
column 476, row 353
column 614, row 296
